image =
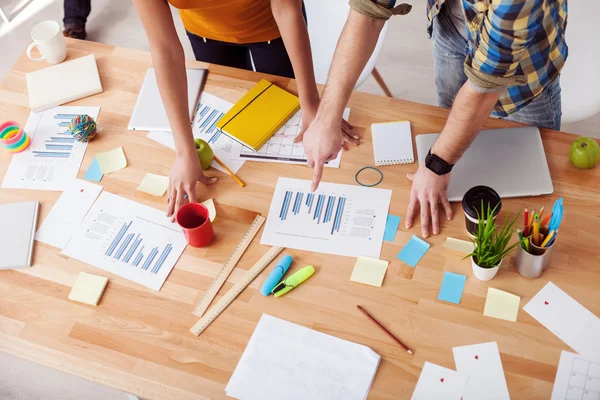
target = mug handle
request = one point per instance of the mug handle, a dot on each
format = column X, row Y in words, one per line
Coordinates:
column 29, row 48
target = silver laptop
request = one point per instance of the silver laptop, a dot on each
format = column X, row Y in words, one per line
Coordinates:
column 149, row 113
column 511, row 161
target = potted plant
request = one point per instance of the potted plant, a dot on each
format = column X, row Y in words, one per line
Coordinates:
column 491, row 244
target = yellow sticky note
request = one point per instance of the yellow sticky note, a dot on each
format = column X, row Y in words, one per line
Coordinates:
column 88, row 288
column 156, row 185
column 212, row 212
column 369, row 271
column 462, row 246
column 502, row 305
column 111, row 161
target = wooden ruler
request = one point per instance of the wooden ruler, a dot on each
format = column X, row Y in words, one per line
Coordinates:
column 238, row 288
column 229, row 265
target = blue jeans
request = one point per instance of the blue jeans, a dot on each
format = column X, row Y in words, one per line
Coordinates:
column 450, row 49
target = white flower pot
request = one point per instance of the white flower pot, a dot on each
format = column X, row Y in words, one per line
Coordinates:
column 484, row 274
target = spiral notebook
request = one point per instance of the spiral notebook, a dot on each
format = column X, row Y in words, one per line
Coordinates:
column 392, row 143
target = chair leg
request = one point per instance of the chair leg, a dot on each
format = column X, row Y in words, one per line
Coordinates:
column 381, row 82
column 4, row 16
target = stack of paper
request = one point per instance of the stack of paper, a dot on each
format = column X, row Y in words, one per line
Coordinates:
column 287, row 360
column 566, row 318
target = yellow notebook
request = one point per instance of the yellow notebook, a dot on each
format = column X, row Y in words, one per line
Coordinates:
column 259, row 114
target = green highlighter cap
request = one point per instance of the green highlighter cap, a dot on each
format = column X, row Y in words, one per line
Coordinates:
column 296, row 279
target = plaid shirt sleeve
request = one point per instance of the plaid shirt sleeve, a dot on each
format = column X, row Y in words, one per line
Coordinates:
column 506, row 29
column 379, row 9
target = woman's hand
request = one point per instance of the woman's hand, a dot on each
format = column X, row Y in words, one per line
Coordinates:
column 185, row 173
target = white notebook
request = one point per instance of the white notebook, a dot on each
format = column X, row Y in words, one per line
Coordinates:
column 149, row 113
column 285, row 360
column 62, row 83
column 392, row 143
column 19, row 221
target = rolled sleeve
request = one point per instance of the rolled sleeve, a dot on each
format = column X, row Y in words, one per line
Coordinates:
column 379, row 9
column 507, row 28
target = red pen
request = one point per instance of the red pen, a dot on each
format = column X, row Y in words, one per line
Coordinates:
column 525, row 221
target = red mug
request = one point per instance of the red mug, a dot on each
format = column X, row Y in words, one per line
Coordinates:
column 195, row 223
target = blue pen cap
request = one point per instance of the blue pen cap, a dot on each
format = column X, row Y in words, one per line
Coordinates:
column 276, row 275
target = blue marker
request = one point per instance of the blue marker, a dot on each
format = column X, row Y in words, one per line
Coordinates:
column 276, row 275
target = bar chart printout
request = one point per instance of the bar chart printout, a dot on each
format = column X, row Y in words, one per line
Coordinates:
column 129, row 239
column 336, row 219
column 53, row 159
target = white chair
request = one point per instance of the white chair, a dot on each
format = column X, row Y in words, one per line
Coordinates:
column 326, row 19
column 580, row 80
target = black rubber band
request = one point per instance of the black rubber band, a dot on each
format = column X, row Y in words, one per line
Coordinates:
column 374, row 169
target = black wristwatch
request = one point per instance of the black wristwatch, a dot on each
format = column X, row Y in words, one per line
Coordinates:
column 437, row 164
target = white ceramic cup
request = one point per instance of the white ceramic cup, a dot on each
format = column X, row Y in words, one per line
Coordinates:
column 49, row 40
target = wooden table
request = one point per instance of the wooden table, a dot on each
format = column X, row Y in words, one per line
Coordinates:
column 138, row 340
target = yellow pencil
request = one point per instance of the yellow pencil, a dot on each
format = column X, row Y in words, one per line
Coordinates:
column 541, row 213
column 242, row 184
column 531, row 217
column 548, row 238
column 536, row 230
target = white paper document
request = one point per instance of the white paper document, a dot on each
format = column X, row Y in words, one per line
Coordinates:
column 482, row 365
column 209, row 111
column 67, row 213
column 439, row 383
column 285, row 360
column 336, row 219
column 128, row 239
column 54, row 156
column 566, row 318
column 577, row 378
column 281, row 148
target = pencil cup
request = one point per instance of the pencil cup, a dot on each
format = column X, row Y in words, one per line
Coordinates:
column 195, row 223
column 471, row 203
column 531, row 264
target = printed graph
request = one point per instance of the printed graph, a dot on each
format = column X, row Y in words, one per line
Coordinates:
column 322, row 208
column 59, row 143
column 207, row 118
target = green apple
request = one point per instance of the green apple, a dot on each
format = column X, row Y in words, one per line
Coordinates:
column 205, row 153
column 584, row 152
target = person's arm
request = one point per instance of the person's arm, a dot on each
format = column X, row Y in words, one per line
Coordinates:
column 509, row 25
column 323, row 139
column 292, row 26
column 169, row 65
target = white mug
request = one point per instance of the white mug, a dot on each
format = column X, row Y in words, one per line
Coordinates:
column 49, row 40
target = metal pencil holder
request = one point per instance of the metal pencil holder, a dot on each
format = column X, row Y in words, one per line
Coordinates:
column 531, row 264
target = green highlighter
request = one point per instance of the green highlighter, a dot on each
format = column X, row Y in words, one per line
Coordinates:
column 289, row 283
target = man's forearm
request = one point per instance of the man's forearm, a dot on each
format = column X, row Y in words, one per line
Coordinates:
column 470, row 111
column 288, row 15
column 354, row 49
column 169, row 66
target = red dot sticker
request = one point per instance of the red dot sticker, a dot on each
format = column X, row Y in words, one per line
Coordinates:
column 81, row 190
column 477, row 357
column 442, row 380
column 546, row 303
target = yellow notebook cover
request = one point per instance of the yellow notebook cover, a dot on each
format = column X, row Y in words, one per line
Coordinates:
column 259, row 114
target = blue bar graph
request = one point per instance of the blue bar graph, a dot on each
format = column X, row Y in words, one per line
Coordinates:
column 322, row 209
column 161, row 259
column 133, row 248
column 117, row 239
column 50, row 146
column 58, row 139
column 150, row 258
column 65, row 116
column 51, row 154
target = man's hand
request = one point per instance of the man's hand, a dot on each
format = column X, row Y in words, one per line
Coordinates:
column 185, row 173
column 428, row 189
column 322, row 142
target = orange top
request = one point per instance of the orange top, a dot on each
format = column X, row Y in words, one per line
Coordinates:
column 232, row 21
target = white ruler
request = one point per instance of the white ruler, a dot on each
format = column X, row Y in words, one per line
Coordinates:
column 238, row 288
column 229, row 265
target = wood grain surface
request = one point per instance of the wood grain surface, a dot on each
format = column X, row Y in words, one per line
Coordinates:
column 138, row 340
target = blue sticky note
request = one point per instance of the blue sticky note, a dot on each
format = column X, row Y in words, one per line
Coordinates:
column 414, row 250
column 391, row 227
column 452, row 287
column 94, row 173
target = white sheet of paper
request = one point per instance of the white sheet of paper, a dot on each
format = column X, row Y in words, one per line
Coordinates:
column 128, row 239
column 577, row 377
column 280, row 148
column 566, row 318
column 210, row 109
column 439, row 383
column 67, row 213
column 483, row 367
column 301, row 363
column 53, row 158
column 336, row 219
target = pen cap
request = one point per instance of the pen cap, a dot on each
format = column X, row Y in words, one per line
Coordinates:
column 276, row 275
